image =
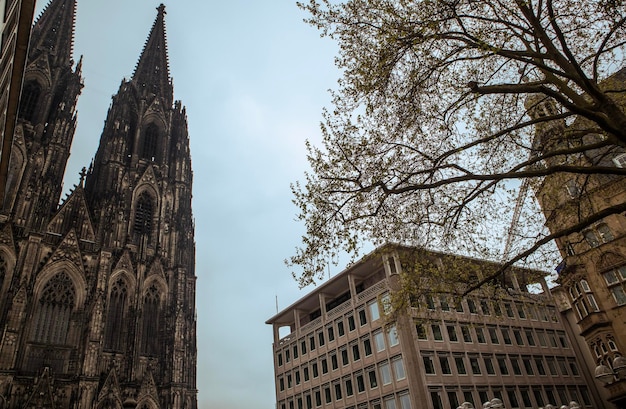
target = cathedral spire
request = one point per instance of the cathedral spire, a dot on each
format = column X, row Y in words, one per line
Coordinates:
column 53, row 32
column 152, row 72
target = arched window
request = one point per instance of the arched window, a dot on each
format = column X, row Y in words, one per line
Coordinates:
column 143, row 215
column 28, row 101
column 150, row 137
column 53, row 310
column 150, row 322
column 583, row 299
column 116, row 317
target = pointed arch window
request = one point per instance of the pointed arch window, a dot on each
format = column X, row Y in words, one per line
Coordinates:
column 116, row 316
column 150, row 137
column 150, row 321
column 29, row 99
column 53, row 310
column 143, row 215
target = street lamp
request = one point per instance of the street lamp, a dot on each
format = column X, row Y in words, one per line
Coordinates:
column 605, row 375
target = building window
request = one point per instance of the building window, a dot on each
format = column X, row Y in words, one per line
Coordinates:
column 349, row 389
column 338, row 391
column 512, row 398
column 51, row 320
column 541, row 370
column 344, row 357
column 312, row 343
column 467, row 336
column 509, row 310
column 475, row 366
column 315, row 369
column 305, row 373
column 392, row 336
column 356, row 354
column 390, row 402
column 471, row 305
column 374, row 312
column 303, row 346
column 360, row 383
column 493, row 336
column 333, row 361
column 367, row 347
column 480, row 335
column 489, row 365
column 405, row 401
column 460, row 365
column 437, row 335
column 331, row 334
column 320, row 337
column 452, row 333
column 445, row 365
column 398, row 368
column 351, row 323
column 385, row 373
column 616, row 281
column 372, row 378
column 362, row 317
column 528, row 366
column 149, row 142
column 116, row 317
column 517, row 370
column 518, row 337
column 443, row 301
column 28, row 100
column 429, row 365
column 150, row 322
column 143, row 215
column 421, row 331
column 379, row 341
column 529, row 338
column 485, row 307
column 340, row 329
column 504, row 370
column 436, row 399
column 506, row 336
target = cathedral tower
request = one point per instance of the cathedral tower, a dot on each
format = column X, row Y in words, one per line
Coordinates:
column 97, row 297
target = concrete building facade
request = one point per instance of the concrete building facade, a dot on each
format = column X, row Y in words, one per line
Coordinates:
column 341, row 351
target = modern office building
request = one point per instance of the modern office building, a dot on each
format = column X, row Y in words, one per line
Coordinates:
column 592, row 277
column 97, row 292
column 335, row 348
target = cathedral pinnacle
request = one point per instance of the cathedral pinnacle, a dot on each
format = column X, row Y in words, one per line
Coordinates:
column 53, row 32
column 152, row 70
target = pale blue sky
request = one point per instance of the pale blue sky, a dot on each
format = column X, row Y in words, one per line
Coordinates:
column 254, row 79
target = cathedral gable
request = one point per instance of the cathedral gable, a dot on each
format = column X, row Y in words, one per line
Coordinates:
column 110, row 395
column 68, row 250
column 149, row 178
column 124, row 263
column 148, row 391
column 40, row 69
column 157, row 269
column 74, row 214
column 41, row 397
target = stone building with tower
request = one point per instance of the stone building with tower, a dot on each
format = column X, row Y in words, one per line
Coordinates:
column 97, row 291
column 592, row 276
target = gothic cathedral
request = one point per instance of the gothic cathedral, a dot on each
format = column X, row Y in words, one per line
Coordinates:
column 97, row 291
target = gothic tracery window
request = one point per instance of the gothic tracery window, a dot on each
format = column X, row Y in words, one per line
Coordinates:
column 150, row 137
column 583, row 299
column 28, row 101
column 116, row 317
column 143, row 215
column 150, row 322
column 53, row 310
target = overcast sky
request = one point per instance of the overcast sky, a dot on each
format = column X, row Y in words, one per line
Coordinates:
column 254, row 78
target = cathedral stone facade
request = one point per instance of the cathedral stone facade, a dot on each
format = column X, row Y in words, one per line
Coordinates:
column 97, row 303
